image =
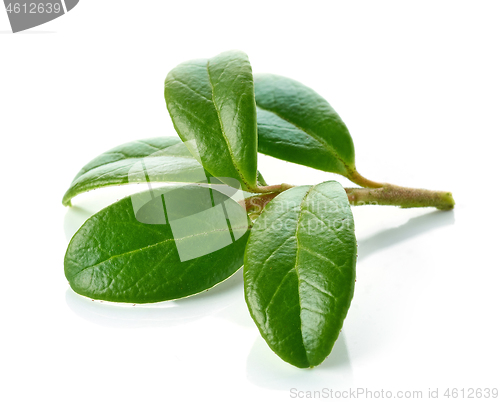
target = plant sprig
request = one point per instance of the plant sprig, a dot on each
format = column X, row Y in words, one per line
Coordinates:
column 297, row 243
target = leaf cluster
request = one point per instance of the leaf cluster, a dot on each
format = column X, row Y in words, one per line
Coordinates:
column 209, row 211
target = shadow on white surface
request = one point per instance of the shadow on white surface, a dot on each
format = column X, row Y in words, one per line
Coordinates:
column 414, row 227
column 267, row 370
column 264, row 369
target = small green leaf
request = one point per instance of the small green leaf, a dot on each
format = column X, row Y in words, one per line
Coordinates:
column 167, row 160
column 300, row 270
column 212, row 105
column 298, row 125
column 160, row 245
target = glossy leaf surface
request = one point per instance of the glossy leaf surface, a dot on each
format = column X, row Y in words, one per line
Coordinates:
column 298, row 125
column 161, row 159
column 150, row 247
column 300, row 270
column 212, row 105
column 168, row 160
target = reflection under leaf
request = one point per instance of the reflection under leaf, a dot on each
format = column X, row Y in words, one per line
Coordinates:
column 213, row 301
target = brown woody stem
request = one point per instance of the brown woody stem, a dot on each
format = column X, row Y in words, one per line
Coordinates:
column 402, row 197
column 388, row 194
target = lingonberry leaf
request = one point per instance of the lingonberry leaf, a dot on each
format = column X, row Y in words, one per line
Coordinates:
column 212, row 106
column 298, row 125
column 299, row 271
column 159, row 245
column 168, row 160
column 161, row 159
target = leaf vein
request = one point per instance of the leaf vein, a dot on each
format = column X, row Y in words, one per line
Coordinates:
column 233, row 161
column 311, row 134
column 192, row 90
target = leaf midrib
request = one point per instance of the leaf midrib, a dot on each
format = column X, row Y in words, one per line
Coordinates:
column 311, row 134
column 297, row 270
column 233, row 161
column 150, row 246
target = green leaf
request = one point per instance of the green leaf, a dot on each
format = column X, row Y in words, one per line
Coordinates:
column 300, row 270
column 212, row 105
column 158, row 245
column 168, row 160
column 298, row 125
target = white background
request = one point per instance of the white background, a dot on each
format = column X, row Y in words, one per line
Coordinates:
column 417, row 83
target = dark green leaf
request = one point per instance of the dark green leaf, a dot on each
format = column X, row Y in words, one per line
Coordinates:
column 212, row 106
column 300, row 270
column 153, row 246
column 167, row 160
column 297, row 125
